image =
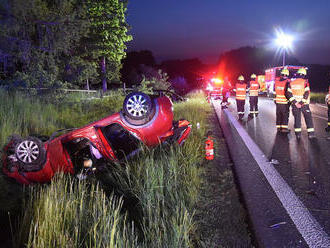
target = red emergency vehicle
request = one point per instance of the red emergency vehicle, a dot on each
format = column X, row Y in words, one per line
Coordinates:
column 261, row 81
column 274, row 73
column 214, row 88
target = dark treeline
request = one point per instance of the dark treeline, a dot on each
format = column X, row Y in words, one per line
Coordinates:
column 184, row 75
column 64, row 43
column 188, row 74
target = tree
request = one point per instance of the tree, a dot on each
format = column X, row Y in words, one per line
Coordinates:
column 42, row 36
column 132, row 65
column 107, row 37
column 190, row 69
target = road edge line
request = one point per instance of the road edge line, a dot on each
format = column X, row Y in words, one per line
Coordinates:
column 306, row 224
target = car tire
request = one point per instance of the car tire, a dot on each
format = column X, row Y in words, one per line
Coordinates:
column 138, row 106
column 12, row 142
column 30, row 154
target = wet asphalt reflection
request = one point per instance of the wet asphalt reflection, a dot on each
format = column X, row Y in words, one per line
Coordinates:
column 304, row 164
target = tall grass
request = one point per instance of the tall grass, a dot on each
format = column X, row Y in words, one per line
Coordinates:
column 69, row 214
column 24, row 115
column 318, row 97
column 147, row 203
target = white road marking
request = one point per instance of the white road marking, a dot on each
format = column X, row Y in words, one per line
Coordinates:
column 318, row 116
column 321, row 105
column 309, row 228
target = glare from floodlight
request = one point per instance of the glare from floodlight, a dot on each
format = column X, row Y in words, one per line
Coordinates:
column 284, row 40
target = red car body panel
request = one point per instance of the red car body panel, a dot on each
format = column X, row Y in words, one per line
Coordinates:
column 158, row 129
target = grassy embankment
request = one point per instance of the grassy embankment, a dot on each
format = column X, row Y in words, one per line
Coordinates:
column 151, row 202
column 158, row 190
column 317, row 97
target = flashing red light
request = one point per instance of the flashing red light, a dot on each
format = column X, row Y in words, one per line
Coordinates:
column 216, row 80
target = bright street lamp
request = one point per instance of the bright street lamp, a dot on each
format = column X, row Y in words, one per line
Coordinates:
column 284, row 41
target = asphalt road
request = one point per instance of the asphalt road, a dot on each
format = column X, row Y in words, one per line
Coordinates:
column 304, row 164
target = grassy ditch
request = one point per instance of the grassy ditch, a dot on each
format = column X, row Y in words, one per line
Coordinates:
column 225, row 224
column 155, row 200
column 147, row 203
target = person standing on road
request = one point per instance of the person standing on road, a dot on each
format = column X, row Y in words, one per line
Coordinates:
column 225, row 93
column 281, row 101
column 253, row 93
column 299, row 96
column 240, row 89
column 327, row 101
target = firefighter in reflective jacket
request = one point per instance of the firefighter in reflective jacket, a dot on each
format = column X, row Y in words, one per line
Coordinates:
column 240, row 96
column 299, row 96
column 282, row 103
column 253, row 93
column 327, row 101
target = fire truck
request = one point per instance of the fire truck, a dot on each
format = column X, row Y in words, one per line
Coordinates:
column 274, row 73
column 214, row 88
column 261, row 81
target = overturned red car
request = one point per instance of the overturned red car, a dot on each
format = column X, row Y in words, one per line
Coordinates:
column 144, row 120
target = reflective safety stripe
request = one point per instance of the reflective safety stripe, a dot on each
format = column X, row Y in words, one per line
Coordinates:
column 307, row 89
column 280, row 87
column 285, row 126
column 253, row 93
column 281, row 99
column 310, row 130
column 304, row 100
column 240, row 91
column 240, row 112
column 278, row 126
column 256, row 112
column 240, row 97
column 328, row 123
column 297, row 129
column 291, row 99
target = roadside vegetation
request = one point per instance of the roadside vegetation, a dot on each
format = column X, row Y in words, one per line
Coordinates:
column 147, row 203
column 318, row 97
column 154, row 200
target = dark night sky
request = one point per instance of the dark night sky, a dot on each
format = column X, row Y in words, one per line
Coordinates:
column 179, row 29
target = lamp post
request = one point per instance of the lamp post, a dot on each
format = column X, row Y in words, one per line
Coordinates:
column 284, row 41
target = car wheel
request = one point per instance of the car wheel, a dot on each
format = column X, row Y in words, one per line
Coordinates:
column 137, row 106
column 12, row 142
column 30, row 153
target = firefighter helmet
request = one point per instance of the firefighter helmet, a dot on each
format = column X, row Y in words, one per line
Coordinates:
column 253, row 76
column 240, row 78
column 302, row 71
column 285, row 72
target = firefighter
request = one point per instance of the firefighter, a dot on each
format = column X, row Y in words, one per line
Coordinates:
column 240, row 90
column 327, row 101
column 253, row 93
column 299, row 97
column 281, row 101
column 225, row 93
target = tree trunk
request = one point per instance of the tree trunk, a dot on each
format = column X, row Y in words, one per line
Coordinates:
column 104, row 78
column 87, row 84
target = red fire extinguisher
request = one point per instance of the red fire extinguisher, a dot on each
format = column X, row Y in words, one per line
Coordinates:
column 209, row 147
